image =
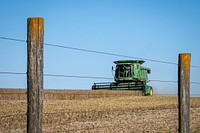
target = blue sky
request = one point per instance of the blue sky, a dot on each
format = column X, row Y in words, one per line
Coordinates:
column 151, row 29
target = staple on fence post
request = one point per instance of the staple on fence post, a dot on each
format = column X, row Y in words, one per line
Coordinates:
column 184, row 92
column 35, row 44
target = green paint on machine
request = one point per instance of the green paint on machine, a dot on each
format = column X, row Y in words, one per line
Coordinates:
column 129, row 75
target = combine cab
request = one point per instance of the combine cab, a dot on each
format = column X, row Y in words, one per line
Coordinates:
column 129, row 75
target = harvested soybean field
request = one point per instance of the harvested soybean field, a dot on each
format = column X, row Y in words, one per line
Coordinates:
column 98, row 111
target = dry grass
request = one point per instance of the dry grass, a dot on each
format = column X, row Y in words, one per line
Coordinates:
column 105, row 114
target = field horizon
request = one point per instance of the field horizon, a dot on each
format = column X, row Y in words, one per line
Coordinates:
column 54, row 89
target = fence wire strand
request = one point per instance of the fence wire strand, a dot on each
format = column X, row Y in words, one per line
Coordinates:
column 107, row 53
column 97, row 52
column 73, row 76
column 12, row 39
column 13, row 73
column 88, row 77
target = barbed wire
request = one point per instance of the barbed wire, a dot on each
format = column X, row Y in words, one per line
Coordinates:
column 97, row 52
column 88, row 77
column 12, row 39
column 107, row 53
column 72, row 76
column 113, row 54
column 195, row 83
column 13, row 73
column 93, row 51
column 56, row 75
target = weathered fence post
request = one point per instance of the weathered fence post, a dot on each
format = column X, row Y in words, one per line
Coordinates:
column 35, row 43
column 184, row 92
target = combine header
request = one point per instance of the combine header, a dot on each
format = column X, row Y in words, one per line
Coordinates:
column 129, row 75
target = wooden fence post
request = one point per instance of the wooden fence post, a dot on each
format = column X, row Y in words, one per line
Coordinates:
column 184, row 92
column 35, row 43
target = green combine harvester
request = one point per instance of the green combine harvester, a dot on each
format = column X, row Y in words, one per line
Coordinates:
column 129, row 75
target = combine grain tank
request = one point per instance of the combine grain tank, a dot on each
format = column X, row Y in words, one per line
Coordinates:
column 129, row 75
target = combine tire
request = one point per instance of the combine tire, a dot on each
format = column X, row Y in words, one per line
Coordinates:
column 151, row 91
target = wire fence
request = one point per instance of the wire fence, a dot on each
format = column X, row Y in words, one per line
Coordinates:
column 95, row 52
column 87, row 114
column 87, row 77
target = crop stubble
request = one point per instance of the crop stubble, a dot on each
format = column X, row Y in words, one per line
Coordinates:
column 106, row 114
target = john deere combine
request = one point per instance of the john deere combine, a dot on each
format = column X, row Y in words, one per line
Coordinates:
column 129, row 75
